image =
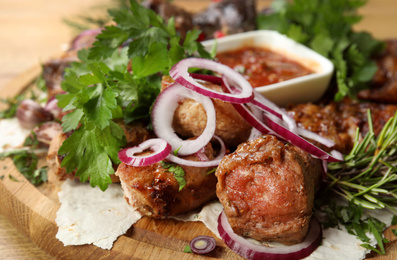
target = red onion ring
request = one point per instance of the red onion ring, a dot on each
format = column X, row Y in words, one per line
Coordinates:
column 85, row 39
column 212, row 163
column 202, row 244
column 159, row 147
column 179, row 72
column 249, row 250
column 274, row 123
column 163, row 113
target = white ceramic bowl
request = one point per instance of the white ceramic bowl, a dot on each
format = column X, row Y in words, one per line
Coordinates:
column 307, row 88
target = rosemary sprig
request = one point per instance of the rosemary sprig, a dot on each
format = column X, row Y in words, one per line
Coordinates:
column 366, row 179
column 368, row 175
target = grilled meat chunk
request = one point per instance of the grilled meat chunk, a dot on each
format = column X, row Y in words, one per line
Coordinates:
column 227, row 16
column 338, row 121
column 53, row 71
column 267, row 188
column 155, row 192
column 190, row 119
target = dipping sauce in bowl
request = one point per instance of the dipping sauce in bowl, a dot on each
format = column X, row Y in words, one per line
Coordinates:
column 281, row 88
column 261, row 66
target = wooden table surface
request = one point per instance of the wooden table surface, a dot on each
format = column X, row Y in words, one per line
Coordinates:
column 33, row 31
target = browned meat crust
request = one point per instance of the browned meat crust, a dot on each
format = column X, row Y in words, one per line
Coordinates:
column 338, row 121
column 267, row 189
column 155, row 191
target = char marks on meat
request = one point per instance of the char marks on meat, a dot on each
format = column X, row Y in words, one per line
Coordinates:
column 267, row 188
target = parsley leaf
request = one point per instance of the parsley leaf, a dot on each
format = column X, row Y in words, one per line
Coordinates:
column 311, row 23
column 178, row 172
column 118, row 77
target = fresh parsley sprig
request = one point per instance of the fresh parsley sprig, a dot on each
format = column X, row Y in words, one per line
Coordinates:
column 326, row 27
column 119, row 77
column 178, row 172
column 153, row 45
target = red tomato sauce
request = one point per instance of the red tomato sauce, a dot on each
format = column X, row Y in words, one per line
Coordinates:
column 261, row 66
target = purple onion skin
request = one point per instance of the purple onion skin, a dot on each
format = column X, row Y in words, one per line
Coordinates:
column 31, row 114
column 211, row 244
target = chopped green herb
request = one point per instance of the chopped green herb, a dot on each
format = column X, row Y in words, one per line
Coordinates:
column 178, row 172
column 2, row 177
column 26, row 163
column 12, row 105
column 211, row 171
column 187, row 249
column 13, row 178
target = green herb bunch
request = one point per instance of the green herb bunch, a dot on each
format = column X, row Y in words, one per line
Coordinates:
column 326, row 27
column 117, row 78
column 366, row 179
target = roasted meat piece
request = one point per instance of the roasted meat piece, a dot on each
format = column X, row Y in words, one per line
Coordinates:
column 154, row 190
column 338, row 121
column 190, row 119
column 267, row 188
column 53, row 71
column 227, row 16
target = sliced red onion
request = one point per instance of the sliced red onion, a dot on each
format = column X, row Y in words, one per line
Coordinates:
column 251, row 251
column 163, row 113
column 201, row 155
column 53, row 108
column 202, row 244
column 209, row 78
column 288, row 122
column 253, row 119
column 315, row 137
column 85, row 39
column 181, row 75
column 159, row 147
column 213, row 163
column 274, row 124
